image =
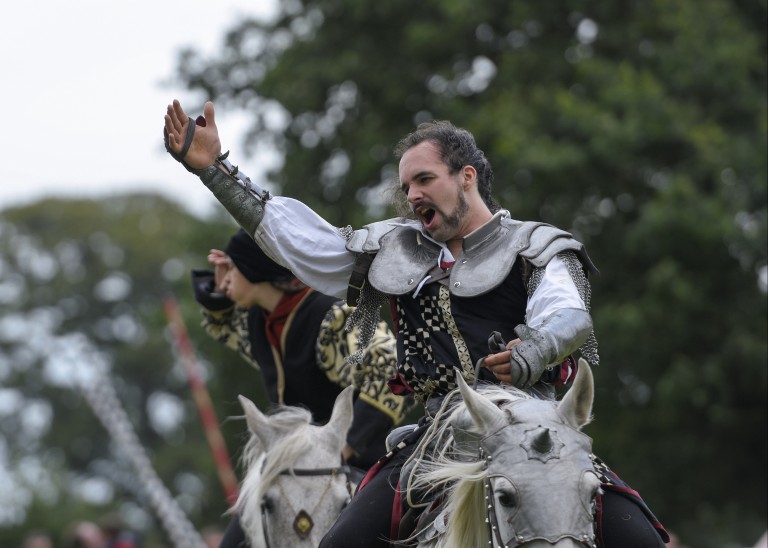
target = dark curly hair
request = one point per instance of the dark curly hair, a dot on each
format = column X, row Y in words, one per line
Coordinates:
column 457, row 149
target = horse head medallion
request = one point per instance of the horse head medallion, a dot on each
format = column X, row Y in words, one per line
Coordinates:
column 295, row 485
column 303, row 524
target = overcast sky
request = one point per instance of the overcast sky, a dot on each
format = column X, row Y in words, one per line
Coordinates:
column 83, row 95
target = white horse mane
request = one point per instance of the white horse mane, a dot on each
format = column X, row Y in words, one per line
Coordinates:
column 454, row 471
column 496, row 442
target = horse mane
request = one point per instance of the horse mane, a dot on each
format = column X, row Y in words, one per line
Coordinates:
column 263, row 466
column 442, row 465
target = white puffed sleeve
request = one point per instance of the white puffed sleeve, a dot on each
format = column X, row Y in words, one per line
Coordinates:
column 315, row 251
column 555, row 292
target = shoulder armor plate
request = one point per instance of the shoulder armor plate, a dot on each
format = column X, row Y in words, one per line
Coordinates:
column 366, row 239
column 404, row 257
column 403, row 261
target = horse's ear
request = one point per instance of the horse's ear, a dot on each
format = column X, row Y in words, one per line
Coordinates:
column 343, row 411
column 576, row 405
column 486, row 415
column 258, row 422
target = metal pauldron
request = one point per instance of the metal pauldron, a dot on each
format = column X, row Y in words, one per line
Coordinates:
column 404, row 256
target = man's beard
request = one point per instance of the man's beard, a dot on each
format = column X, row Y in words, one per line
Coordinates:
column 453, row 221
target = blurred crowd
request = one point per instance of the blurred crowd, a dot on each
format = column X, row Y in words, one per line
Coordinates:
column 110, row 532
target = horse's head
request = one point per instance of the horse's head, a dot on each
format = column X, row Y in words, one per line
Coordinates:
column 539, row 485
column 295, row 484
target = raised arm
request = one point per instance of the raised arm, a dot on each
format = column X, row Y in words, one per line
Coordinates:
column 288, row 231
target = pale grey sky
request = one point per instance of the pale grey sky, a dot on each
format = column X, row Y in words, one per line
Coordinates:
column 83, row 95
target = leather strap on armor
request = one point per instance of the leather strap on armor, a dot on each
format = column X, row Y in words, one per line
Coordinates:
column 358, row 278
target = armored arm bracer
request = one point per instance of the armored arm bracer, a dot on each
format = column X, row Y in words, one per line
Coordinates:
column 561, row 334
column 577, row 269
column 242, row 198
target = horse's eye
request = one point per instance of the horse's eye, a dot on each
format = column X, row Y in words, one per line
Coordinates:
column 506, row 498
column 268, row 505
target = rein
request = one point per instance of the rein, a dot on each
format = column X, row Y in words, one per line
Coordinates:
column 302, row 523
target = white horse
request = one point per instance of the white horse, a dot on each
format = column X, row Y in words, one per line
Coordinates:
column 504, row 469
column 295, row 484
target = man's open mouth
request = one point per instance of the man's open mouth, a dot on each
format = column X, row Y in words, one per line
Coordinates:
column 425, row 214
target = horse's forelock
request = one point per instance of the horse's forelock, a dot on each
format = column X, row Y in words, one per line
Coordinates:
column 281, row 421
column 286, row 451
column 467, row 502
column 286, row 418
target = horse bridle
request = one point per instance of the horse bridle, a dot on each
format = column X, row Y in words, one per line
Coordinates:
column 302, row 523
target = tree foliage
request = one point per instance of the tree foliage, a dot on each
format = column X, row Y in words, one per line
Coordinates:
column 639, row 126
column 82, row 286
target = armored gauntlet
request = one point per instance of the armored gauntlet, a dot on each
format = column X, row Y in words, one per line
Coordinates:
column 561, row 333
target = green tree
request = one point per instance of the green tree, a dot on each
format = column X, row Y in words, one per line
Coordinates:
column 82, row 285
column 640, row 127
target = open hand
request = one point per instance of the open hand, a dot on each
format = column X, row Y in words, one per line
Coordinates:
column 205, row 147
column 222, row 264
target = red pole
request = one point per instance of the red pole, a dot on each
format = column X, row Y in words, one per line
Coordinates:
column 202, row 401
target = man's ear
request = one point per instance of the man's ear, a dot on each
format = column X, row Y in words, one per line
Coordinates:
column 469, row 176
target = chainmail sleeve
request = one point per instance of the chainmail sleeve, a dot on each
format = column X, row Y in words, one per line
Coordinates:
column 578, row 275
column 365, row 314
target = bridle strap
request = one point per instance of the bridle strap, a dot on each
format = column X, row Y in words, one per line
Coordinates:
column 343, row 469
column 264, row 524
column 494, row 533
